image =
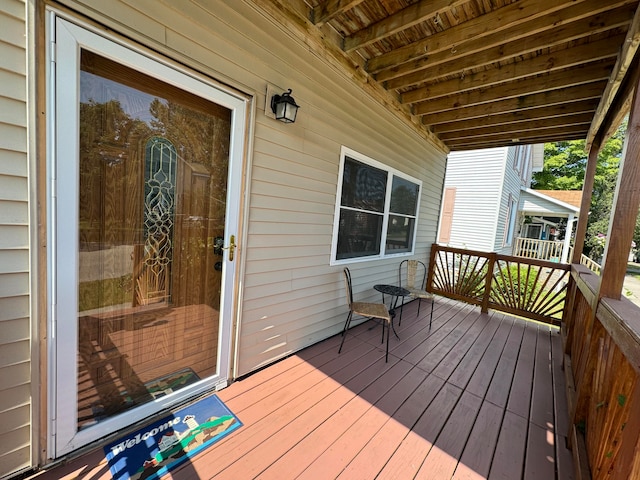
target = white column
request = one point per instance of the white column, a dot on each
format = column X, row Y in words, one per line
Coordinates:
column 567, row 239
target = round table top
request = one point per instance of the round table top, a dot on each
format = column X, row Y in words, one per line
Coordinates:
column 391, row 290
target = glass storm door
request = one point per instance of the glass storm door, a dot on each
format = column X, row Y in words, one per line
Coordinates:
column 146, row 168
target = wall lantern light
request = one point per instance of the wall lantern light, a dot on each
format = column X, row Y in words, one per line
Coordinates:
column 284, row 107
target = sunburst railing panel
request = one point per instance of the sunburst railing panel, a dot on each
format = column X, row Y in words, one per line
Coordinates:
column 529, row 288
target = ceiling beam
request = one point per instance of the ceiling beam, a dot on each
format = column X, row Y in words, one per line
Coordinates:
column 471, row 55
column 501, row 142
column 573, row 77
column 625, row 59
column 407, row 17
column 550, row 62
column 502, row 120
column 553, row 97
column 324, row 12
column 583, row 119
column 523, row 135
column 475, row 29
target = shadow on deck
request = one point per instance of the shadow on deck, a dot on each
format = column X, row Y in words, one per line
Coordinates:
column 477, row 396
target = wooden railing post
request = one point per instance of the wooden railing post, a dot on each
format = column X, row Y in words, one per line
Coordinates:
column 487, row 282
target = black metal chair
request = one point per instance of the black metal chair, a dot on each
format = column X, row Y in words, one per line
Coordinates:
column 366, row 309
column 409, row 272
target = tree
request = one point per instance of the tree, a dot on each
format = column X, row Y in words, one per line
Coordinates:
column 564, row 169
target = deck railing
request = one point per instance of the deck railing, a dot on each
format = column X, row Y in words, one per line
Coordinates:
column 601, row 339
column 529, row 288
column 602, row 369
column 539, row 249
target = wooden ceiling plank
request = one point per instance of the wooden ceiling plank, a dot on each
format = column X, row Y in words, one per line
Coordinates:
column 554, row 97
column 475, row 30
column 550, row 62
column 583, row 119
column 586, row 107
column 507, row 139
column 578, row 131
column 405, row 18
column 583, row 75
column 326, row 11
column 622, row 103
column 472, row 55
column 501, row 142
column 625, row 59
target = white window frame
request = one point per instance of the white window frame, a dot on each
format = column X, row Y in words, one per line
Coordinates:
column 391, row 173
column 511, row 220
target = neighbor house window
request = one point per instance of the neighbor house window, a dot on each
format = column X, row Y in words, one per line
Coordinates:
column 376, row 211
column 510, row 226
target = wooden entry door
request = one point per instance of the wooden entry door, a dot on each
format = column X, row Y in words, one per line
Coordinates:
column 144, row 236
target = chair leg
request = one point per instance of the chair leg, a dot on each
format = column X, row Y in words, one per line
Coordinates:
column 386, row 358
column 344, row 330
column 419, row 303
column 431, row 317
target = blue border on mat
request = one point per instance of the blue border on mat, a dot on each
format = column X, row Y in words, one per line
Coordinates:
column 154, row 450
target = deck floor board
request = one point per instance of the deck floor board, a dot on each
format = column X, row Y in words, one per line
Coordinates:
column 476, row 396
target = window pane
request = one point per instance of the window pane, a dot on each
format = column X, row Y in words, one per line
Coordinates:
column 399, row 234
column 404, row 196
column 359, row 234
column 363, row 186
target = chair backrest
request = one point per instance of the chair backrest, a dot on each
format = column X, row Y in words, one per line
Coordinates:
column 410, row 272
column 347, row 284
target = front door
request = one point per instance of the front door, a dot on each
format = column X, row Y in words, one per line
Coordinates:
column 145, row 193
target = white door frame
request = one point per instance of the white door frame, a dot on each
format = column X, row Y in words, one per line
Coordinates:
column 66, row 38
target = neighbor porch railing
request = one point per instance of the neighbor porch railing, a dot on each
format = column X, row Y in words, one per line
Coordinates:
column 539, row 249
column 529, row 288
column 602, row 367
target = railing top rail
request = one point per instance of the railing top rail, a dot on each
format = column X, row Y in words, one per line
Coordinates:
column 462, row 251
column 510, row 258
column 534, row 261
column 537, row 240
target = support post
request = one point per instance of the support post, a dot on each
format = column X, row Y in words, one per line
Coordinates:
column 625, row 209
column 567, row 239
column 585, row 204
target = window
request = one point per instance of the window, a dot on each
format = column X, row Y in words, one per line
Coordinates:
column 376, row 212
column 510, row 226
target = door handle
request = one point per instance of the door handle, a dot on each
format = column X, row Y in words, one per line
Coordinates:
column 231, row 247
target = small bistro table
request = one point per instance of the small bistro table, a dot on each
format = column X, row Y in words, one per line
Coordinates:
column 395, row 293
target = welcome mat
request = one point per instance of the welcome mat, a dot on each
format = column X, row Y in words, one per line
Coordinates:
column 159, row 447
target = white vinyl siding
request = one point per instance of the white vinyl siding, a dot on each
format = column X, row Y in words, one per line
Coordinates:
column 511, row 184
column 477, row 177
column 544, row 207
column 291, row 296
column 15, row 329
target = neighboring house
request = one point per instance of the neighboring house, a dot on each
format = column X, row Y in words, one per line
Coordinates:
column 188, row 240
column 481, row 195
column 543, row 214
column 488, row 192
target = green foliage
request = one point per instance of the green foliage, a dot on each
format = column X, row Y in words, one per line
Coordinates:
column 564, row 169
column 105, row 293
column 518, row 282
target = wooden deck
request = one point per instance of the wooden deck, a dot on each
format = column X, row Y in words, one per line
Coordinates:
column 477, row 396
